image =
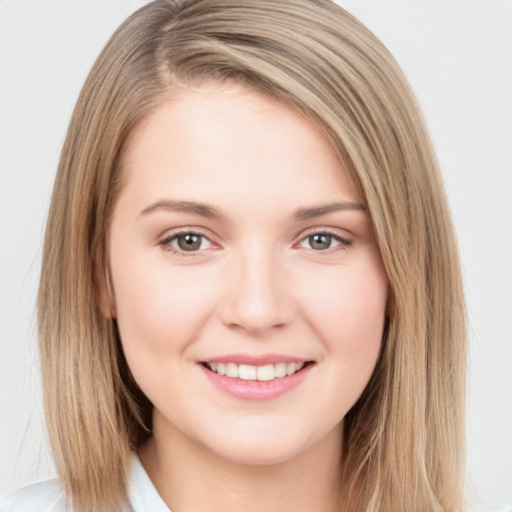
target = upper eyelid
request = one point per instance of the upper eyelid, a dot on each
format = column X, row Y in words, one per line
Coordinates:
column 334, row 232
column 166, row 241
column 175, row 232
column 167, row 244
column 344, row 239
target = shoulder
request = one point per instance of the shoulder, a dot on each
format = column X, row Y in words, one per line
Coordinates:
column 49, row 496
column 45, row 496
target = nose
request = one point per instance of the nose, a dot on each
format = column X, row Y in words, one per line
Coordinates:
column 256, row 297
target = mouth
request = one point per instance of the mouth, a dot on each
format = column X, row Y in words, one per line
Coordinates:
column 256, row 378
column 261, row 373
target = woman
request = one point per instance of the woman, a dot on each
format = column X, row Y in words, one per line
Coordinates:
column 250, row 293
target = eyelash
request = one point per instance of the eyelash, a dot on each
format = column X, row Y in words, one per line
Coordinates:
column 166, row 243
column 344, row 243
column 168, row 240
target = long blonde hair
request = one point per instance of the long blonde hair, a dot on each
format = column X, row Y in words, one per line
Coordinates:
column 404, row 439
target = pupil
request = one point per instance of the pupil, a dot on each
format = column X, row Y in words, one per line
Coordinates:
column 320, row 242
column 189, row 242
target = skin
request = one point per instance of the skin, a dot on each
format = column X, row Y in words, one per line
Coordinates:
column 257, row 284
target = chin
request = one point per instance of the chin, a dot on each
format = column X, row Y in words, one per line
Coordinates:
column 261, row 454
column 264, row 445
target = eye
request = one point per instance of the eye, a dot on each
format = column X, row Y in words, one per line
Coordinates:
column 323, row 242
column 186, row 242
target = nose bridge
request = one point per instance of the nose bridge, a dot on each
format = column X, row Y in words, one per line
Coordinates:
column 256, row 297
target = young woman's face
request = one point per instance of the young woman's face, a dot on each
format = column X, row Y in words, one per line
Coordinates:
column 238, row 244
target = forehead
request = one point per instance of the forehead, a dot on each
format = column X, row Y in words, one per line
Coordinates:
column 222, row 139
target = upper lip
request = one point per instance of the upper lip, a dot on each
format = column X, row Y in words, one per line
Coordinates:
column 255, row 359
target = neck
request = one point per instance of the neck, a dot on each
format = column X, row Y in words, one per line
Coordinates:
column 190, row 477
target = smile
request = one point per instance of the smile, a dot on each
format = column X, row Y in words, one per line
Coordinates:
column 265, row 372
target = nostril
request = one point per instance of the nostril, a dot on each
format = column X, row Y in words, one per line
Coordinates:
column 256, row 300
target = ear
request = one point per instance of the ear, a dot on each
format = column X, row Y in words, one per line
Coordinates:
column 103, row 289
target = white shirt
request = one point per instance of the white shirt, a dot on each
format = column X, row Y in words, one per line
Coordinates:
column 48, row 496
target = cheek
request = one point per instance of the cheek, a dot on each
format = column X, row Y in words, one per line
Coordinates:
column 347, row 308
column 159, row 309
column 160, row 313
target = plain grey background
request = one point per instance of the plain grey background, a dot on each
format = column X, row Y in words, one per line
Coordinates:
column 457, row 55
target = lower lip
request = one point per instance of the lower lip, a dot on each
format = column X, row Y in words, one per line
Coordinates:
column 255, row 389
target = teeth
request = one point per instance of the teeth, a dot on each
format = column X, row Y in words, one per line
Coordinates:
column 246, row 371
column 266, row 372
column 232, row 370
column 249, row 372
column 280, row 369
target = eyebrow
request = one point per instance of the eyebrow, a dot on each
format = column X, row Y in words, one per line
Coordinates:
column 190, row 207
column 209, row 212
column 324, row 209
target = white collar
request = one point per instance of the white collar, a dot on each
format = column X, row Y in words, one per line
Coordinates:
column 141, row 492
